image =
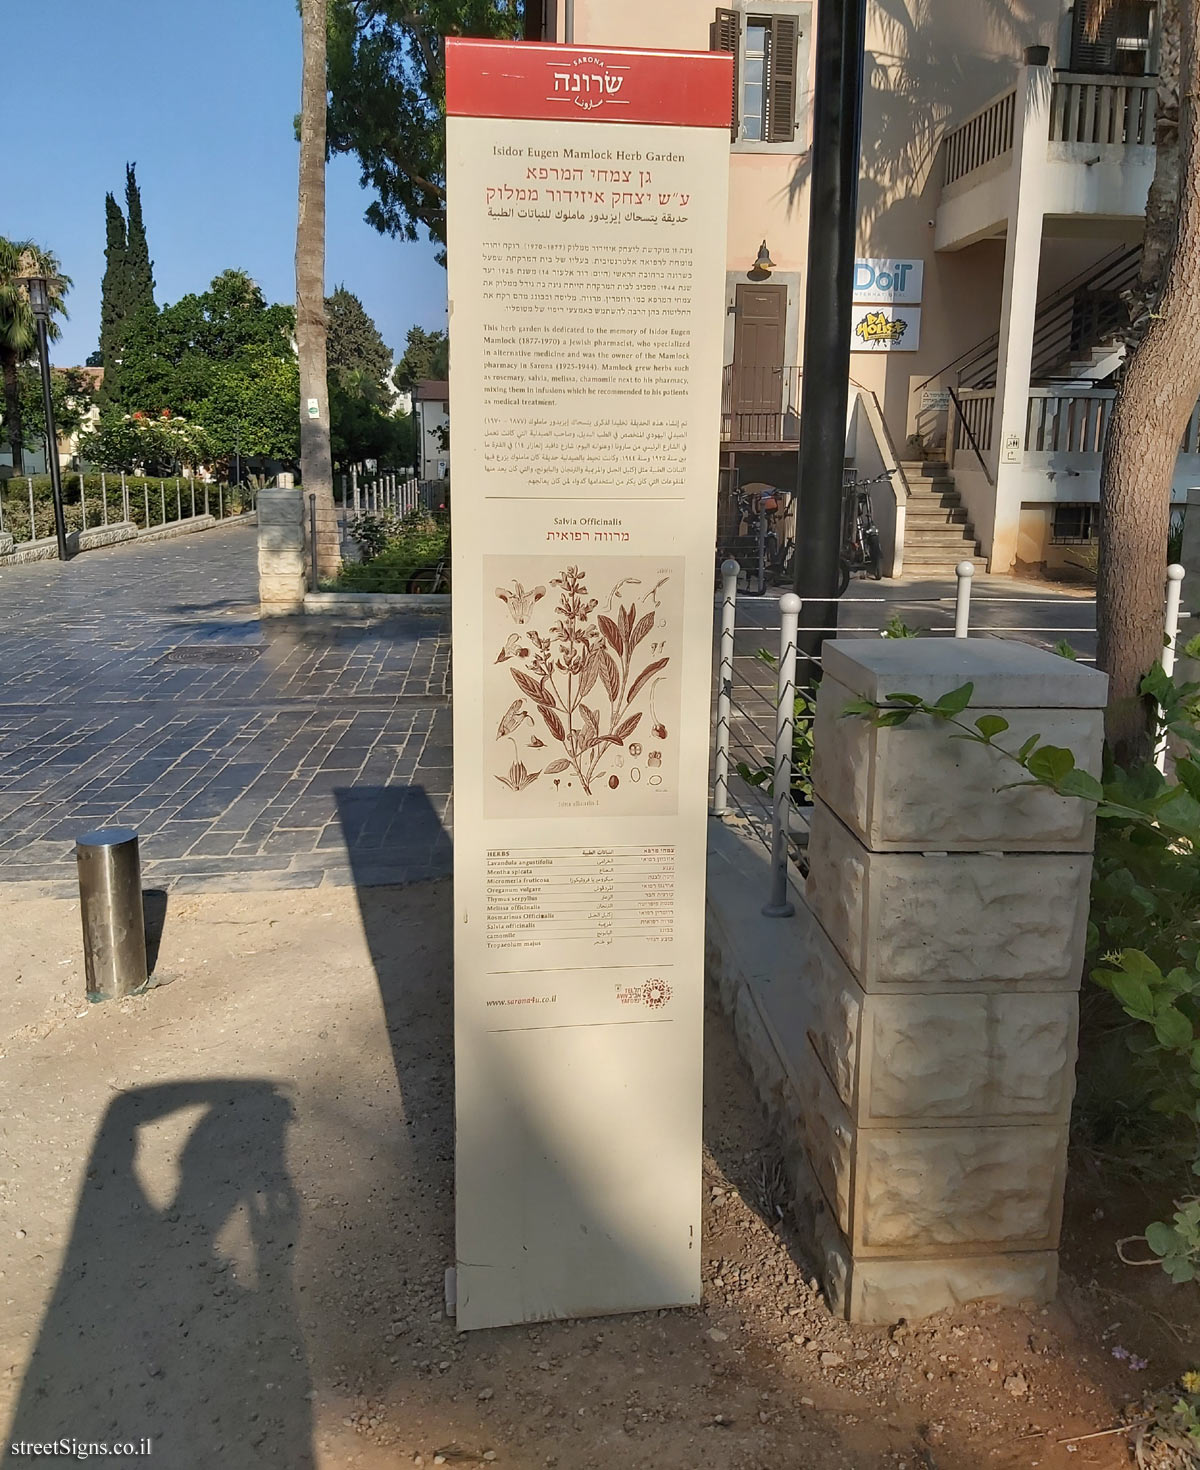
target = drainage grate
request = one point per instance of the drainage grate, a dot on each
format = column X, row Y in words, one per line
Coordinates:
column 211, row 653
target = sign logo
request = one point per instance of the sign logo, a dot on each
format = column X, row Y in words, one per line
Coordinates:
column 588, row 82
column 876, row 329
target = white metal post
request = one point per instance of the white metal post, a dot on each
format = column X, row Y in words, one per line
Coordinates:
column 1175, row 575
column 124, row 496
column 779, row 906
column 104, row 496
column 729, row 576
column 964, row 571
column 32, row 531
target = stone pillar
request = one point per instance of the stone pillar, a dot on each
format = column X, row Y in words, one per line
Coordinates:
column 1022, row 261
column 282, row 560
column 934, row 1092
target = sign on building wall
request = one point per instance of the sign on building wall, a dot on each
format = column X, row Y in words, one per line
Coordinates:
column 898, row 281
column 885, row 328
column 586, row 245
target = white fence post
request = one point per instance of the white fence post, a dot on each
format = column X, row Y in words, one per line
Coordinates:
column 779, row 906
column 964, row 571
column 1175, row 575
column 32, row 532
column 729, row 576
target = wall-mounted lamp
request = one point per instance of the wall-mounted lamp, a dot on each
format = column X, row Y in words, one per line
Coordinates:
column 763, row 261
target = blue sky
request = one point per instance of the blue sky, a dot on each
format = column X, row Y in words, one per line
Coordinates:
column 201, row 95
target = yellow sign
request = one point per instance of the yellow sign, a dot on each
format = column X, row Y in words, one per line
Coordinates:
column 876, row 327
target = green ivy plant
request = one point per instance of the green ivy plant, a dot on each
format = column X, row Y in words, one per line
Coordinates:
column 1144, row 933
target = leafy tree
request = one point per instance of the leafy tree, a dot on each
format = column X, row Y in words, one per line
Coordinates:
column 251, row 407
column 18, row 331
column 95, row 359
column 139, row 268
column 114, row 296
column 316, row 464
column 72, row 392
column 388, row 98
column 426, row 355
column 354, row 345
column 140, row 444
column 362, row 427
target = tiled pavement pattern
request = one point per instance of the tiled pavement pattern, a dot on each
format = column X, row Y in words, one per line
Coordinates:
column 279, row 754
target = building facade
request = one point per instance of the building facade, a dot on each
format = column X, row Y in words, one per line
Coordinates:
column 1007, row 152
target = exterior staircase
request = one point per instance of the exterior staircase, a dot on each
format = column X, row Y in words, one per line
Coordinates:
column 937, row 533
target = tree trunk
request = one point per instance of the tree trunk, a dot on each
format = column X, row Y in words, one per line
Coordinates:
column 12, row 412
column 316, row 465
column 1159, row 392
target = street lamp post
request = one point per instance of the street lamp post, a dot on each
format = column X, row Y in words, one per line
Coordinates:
column 39, row 300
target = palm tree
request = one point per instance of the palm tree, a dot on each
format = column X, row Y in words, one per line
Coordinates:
column 18, row 332
column 316, row 463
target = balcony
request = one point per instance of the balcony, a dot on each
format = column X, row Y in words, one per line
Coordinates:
column 760, row 407
column 1096, row 134
column 1065, row 430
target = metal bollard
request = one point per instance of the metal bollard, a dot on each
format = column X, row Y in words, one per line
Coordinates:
column 964, row 571
column 110, row 901
column 729, row 576
column 312, row 537
column 779, row 905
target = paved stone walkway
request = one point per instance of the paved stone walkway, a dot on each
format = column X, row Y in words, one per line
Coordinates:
column 138, row 688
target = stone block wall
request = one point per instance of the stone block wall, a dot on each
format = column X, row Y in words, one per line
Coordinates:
column 931, row 1092
column 282, row 555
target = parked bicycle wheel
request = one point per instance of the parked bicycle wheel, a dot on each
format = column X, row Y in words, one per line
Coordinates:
column 427, row 580
column 843, row 576
column 874, row 555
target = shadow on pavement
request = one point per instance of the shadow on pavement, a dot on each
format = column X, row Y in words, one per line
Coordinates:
column 175, row 1307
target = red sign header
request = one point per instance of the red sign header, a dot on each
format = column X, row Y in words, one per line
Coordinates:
column 525, row 79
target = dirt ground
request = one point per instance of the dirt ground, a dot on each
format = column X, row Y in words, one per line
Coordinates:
column 226, row 1211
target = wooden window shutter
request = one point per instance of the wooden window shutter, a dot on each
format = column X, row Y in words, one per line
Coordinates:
column 725, row 34
column 782, row 79
column 1093, row 47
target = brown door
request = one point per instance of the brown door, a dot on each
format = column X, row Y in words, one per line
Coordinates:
column 760, row 313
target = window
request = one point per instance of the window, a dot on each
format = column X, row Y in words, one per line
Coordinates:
column 766, row 68
column 1074, row 525
column 1113, row 40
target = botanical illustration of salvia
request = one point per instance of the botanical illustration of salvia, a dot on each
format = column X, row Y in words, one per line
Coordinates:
column 585, row 686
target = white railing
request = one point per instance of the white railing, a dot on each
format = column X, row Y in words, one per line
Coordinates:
column 1103, row 111
column 758, row 713
column 985, row 135
column 1073, row 422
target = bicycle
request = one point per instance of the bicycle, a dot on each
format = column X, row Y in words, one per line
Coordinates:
column 861, row 549
column 428, row 580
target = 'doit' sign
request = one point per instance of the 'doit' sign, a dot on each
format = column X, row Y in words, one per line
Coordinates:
column 586, row 198
column 898, row 281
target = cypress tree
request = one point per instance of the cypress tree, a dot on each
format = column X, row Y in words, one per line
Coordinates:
column 113, row 296
column 139, row 268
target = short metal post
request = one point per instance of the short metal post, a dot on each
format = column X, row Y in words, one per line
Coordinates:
column 1175, row 574
column 124, row 497
column 147, row 488
column 162, row 502
column 729, row 576
column 192, row 484
column 354, row 486
column 178, row 501
column 32, row 532
column 312, row 538
column 220, row 502
column 779, row 906
column 206, row 497
column 82, row 503
column 110, row 900
column 964, row 571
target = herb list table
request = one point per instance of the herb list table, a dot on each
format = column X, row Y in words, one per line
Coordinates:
column 602, row 895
